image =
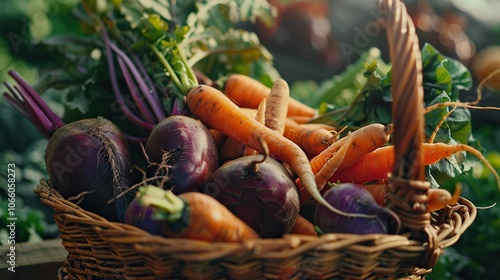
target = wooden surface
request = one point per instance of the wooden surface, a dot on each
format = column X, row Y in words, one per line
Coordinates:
column 39, row 260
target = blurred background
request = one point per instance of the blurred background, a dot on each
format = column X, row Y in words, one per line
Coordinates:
column 312, row 40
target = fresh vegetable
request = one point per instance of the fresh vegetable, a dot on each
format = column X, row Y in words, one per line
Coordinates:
column 312, row 138
column 141, row 216
column 344, row 153
column 232, row 148
column 377, row 164
column 362, row 95
column 377, row 190
column 219, row 138
column 277, row 106
column 258, row 190
column 183, row 150
column 248, row 92
column 88, row 160
column 303, row 226
column 260, row 116
column 438, row 198
column 361, row 142
column 215, row 110
column 353, row 198
column 193, row 215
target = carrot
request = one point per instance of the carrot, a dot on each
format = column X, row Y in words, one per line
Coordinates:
column 217, row 111
column 187, row 216
column 437, row 198
column 377, row 164
column 231, row 148
column 361, row 142
column 260, row 113
column 303, row 226
column 377, row 191
column 219, row 138
column 345, row 153
column 324, row 174
column 318, row 135
column 277, row 106
column 312, row 138
column 248, row 92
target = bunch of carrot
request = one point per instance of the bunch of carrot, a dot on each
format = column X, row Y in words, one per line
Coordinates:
column 246, row 112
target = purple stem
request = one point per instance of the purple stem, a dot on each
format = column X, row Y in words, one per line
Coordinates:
column 152, row 101
column 116, row 89
column 24, row 99
column 147, row 79
column 133, row 91
column 16, row 102
column 134, row 138
column 39, row 103
column 179, row 108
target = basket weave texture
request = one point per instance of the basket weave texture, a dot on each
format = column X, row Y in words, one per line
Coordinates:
column 99, row 249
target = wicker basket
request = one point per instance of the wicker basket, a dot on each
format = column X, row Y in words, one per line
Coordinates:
column 99, row 249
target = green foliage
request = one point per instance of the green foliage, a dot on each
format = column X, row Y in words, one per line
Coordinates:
column 34, row 220
column 474, row 256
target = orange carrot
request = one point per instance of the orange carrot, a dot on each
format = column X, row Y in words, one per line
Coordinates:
column 377, row 191
column 260, row 116
column 231, row 148
column 277, row 106
column 219, row 138
column 248, row 92
column 216, row 110
column 361, row 142
column 186, row 216
column 379, row 163
column 303, row 226
column 312, row 138
column 438, row 198
column 324, row 174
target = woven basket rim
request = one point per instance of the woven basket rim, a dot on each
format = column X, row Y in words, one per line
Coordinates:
column 460, row 217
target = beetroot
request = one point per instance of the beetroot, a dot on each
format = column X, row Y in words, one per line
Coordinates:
column 88, row 160
column 183, row 151
column 355, row 201
column 260, row 192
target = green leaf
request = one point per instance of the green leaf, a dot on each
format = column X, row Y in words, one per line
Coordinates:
column 261, row 9
column 442, row 72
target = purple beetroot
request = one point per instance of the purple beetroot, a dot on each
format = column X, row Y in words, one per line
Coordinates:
column 259, row 191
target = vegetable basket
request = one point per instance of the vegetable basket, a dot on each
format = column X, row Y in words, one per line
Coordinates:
column 99, row 249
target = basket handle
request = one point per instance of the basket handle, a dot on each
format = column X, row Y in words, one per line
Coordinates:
column 407, row 194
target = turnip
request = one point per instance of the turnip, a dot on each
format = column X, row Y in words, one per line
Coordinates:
column 88, row 160
column 353, row 199
column 259, row 191
column 183, row 151
column 140, row 215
